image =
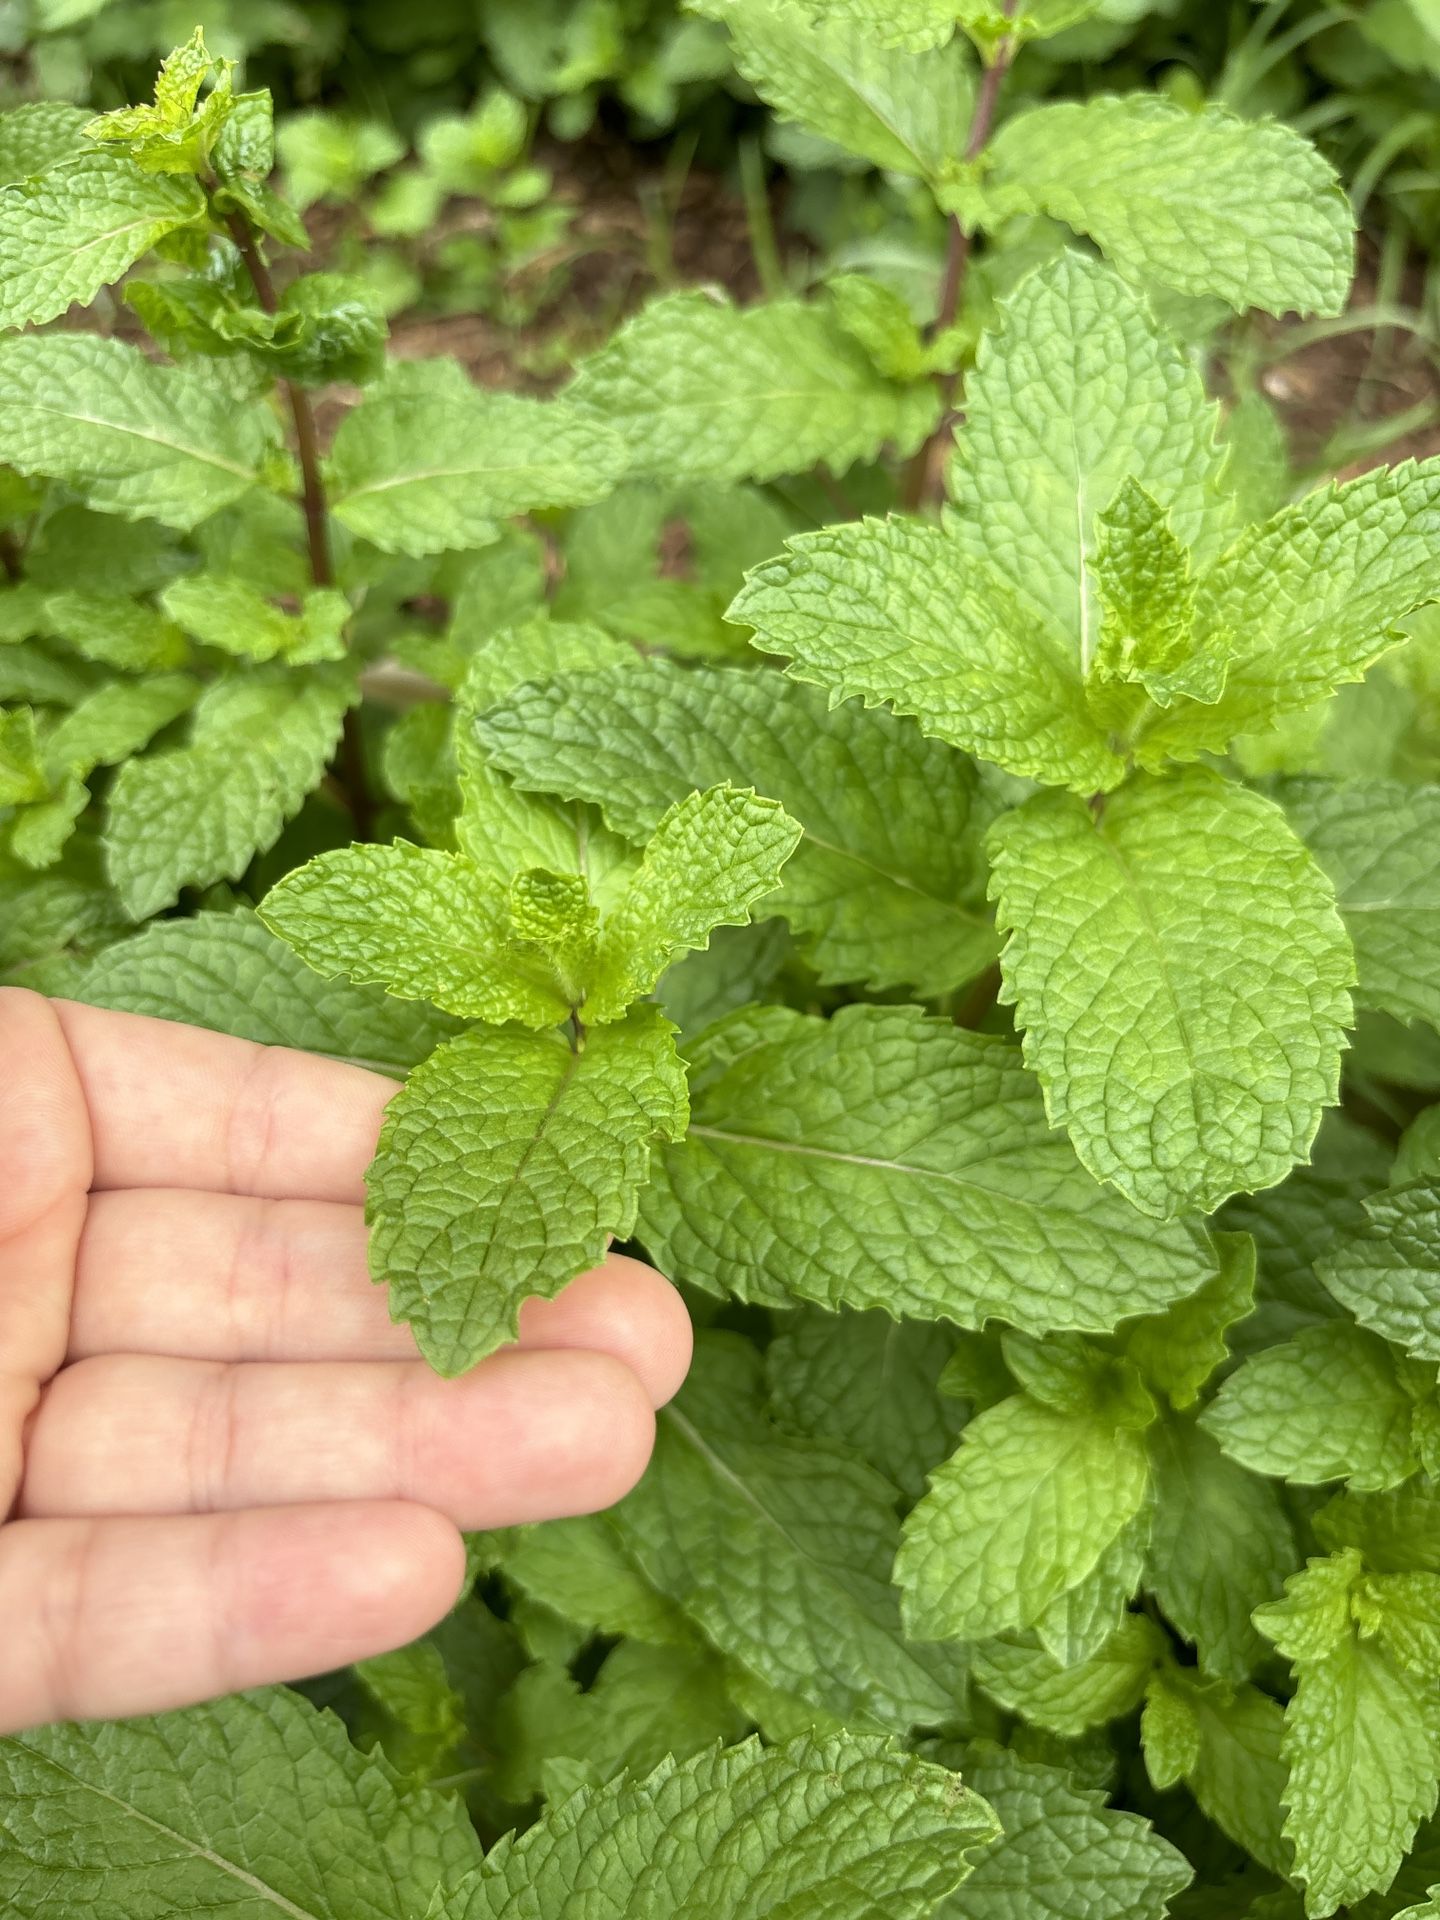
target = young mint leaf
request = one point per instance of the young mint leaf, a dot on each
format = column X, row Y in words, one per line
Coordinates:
column 1203, row 202
column 225, row 611
column 825, row 1827
column 1062, row 1850
column 1375, row 840
column 131, row 437
column 115, row 631
column 1220, row 1545
column 1017, row 1518
column 1018, row 1673
column 1361, row 1740
column 200, row 812
column 880, row 1159
column 1086, row 1617
column 886, row 883
column 1178, row 1350
column 584, row 1571
column 76, row 227
column 780, row 1550
column 712, row 856
column 697, row 389
column 423, row 1713
column 1334, row 1403
column 107, row 726
column 1307, row 601
column 1225, row 1743
column 906, row 112
column 226, row 971
column 177, row 133
column 1147, row 603
column 22, row 773
column 1181, row 974
column 504, row 1166
column 199, row 1809
column 429, row 461
column 1385, row 1273
column 36, row 136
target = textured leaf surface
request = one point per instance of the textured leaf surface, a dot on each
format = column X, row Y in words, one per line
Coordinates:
column 131, row 437
column 1386, row 1274
column 226, row 971
column 1203, row 202
column 1233, row 1764
column 200, row 812
column 1334, row 1403
column 1147, row 602
column 583, row 1569
column 78, row 226
column 780, row 1550
column 699, row 389
column 117, row 720
column 1021, row 1675
column 36, row 135
column 1018, row 1516
column 908, row 112
column 887, row 880
column 428, row 461
column 504, row 1164
column 252, row 1806
column 822, row 1828
column 1180, row 971
column 880, row 1159
column 1062, row 1852
column 1178, row 1350
column 1380, row 844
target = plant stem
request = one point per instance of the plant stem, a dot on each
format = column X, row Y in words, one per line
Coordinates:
column 317, row 525
column 923, row 481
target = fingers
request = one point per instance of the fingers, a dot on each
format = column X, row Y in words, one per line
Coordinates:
column 220, row 1277
column 174, row 1106
column 116, row 1617
column 526, row 1436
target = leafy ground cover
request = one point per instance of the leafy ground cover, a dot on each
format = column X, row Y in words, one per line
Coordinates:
column 900, row 797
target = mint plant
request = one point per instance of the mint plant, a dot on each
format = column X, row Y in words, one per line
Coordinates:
column 911, row 817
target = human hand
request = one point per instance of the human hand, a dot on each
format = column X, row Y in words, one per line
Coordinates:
column 221, row 1463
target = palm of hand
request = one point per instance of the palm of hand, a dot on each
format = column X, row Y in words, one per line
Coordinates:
column 223, row 1466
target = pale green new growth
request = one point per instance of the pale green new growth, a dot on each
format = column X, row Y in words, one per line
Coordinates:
column 1023, row 1677
column 1385, row 1273
column 1180, row 972
column 229, row 613
column 1147, row 605
column 504, row 1166
column 1225, row 1743
column 1178, row 1350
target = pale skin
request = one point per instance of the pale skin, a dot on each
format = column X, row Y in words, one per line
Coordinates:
column 221, row 1464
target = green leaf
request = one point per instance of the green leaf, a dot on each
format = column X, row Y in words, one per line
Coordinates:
column 886, row 883
column 1204, row 202
column 424, row 1714
column 1147, row 600
column 1062, row 1850
column 503, row 1167
column 822, row 1828
column 699, row 389
column 22, row 775
column 880, row 1159
column 36, row 136
column 1361, row 1740
column 1220, row 1546
column 224, row 611
column 429, row 461
column 200, row 812
column 582, row 1569
column 226, row 971
column 116, row 631
column 1023, row 1677
column 1333, row 1403
column 1307, row 601
column 177, row 133
column 906, row 112
column 868, row 1382
column 202, row 1811
column 1230, row 1761
column 1385, row 1273
column 712, row 856
column 780, row 1550
column 78, row 226
column 1376, row 840
column 1018, row 1517
column 1180, row 972
column 1178, row 1350
column 133, row 438
column 107, row 726
column 914, row 25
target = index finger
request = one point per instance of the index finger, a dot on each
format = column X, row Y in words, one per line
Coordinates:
column 177, row 1106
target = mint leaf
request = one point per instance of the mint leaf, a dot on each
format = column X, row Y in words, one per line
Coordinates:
column 117, row 720
column 1225, row 1742
column 1203, row 202
column 1385, row 1273
column 199, row 1808
column 1147, row 599
column 1373, row 838
column 1180, row 972
column 1178, row 1350
column 22, row 774
column 1019, row 1673
column 1334, row 1403
column 504, row 1165
column 886, row 882
column 823, row 1828
column 37, row 135
column 583, row 1570
column 880, row 1159
column 200, row 812
column 225, row 611
column 429, row 461
column 131, row 437
column 78, row 226
column 907, row 112
column 699, row 389
column 780, row 1550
